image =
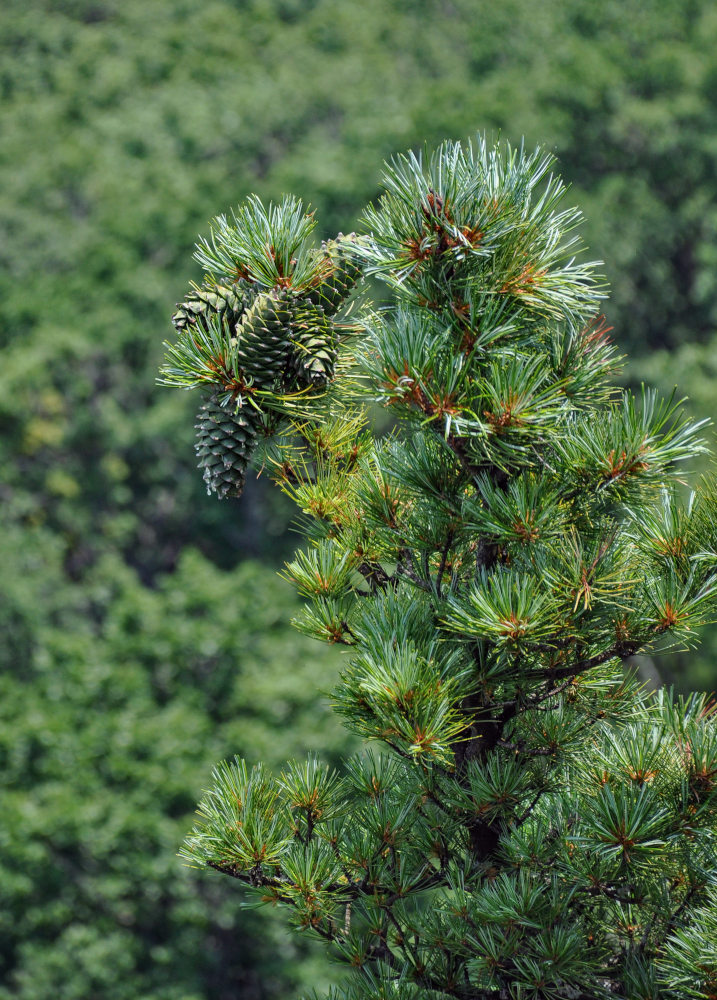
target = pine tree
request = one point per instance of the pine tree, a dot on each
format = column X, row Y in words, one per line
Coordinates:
column 528, row 821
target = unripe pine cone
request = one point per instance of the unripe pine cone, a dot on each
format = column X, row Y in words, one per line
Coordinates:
column 314, row 351
column 341, row 274
column 226, row 301
column 225, row 442
column 264, row 336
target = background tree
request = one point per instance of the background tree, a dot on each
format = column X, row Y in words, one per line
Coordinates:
column 537, row 825
column 113, row 707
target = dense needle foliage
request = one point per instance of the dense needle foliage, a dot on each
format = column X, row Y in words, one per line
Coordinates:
column 527, row 822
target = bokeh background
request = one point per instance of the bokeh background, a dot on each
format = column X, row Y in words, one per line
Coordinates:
column 144, row 630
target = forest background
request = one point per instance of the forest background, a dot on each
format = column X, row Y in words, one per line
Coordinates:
column 145, row 631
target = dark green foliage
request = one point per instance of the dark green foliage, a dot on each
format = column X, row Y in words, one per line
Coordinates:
column 539, row 827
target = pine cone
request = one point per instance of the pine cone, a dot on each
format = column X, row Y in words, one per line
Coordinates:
column 313, row 355
column 341, row 275
column 226, row 301
column 265, row 338
column 225, row 441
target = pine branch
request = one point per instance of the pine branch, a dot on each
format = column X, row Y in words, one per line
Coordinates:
column 620, row 650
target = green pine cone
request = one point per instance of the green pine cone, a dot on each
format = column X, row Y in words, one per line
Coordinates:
column 314, row 352
column 226, row 301
column 341, row 274
column 265, row 338
column 225, row 442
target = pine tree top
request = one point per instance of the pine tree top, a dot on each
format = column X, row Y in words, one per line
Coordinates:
column 537, row 825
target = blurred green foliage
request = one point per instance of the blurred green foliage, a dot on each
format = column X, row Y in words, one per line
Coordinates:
column 115, row 702
column 139, row 647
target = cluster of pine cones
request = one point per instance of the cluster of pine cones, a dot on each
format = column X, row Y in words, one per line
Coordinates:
column 285, row 340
